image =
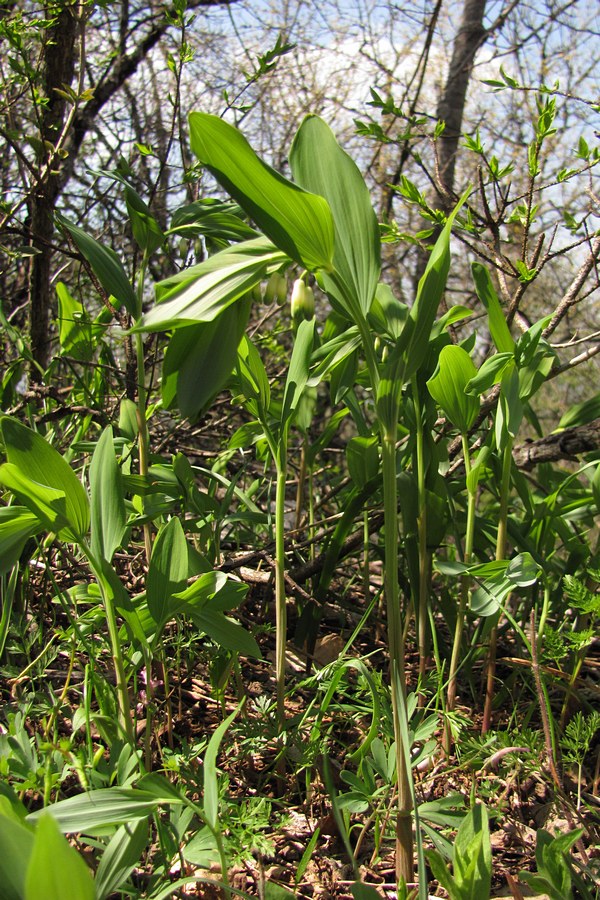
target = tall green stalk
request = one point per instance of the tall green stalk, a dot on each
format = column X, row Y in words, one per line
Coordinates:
column 501, row 542
column 125, row 720
column 464, row 594
column 422, row 537
column 280, row 602
column 404, row 835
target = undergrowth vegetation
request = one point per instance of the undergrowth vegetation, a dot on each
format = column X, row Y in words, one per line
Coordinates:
column 281, row 612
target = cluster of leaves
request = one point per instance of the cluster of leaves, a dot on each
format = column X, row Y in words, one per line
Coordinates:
column 502, row 545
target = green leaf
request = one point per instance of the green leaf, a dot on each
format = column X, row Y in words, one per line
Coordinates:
column 473, row 855
column 202, row 292
column 297, row 222
column 168, row 570
column 490, row 372
column 75, row 329
column 211, row 787
column 320, row 165
column 55, row 868
column 43, row 481
column 253, row 379
column 120, row 857
column 16, row 846
column 387, row 313
column 581, row 413
column 429, row 294
column 108, row 513
column 224, row 631
column 219, row 222
column 485, row 291
column 448, row 386
column 17, row 525
column 200, row 358
column 106, row 265
column 523, row 570
column 297, row 375
column 362, row 457
column 202, row 849
column 89, row 813
column 146, row 230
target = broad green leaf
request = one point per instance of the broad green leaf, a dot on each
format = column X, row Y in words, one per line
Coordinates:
column 128, row 423
column 49, row 505
column 320, row 165
column 509, row 412
column 16, row 846
column 219, row 222
column 253, row 379
column 202, row 849
column 199, row 592
column 108, row 513
column 168, row 570
column 56, row 870
column 75, row 328
column 211, row 787
column 297, row 375
column 297, row 222
column 200, row 358
column 490, row 372
column 499, row 330
column 362, row 457
column 387, row 313
column 44, row 481
column 146, row 230
column 89, row 813
column 581, row 413
column 478, row 468
column 17, row 525
column 473, row 855
column 224, row 631
column 523, row 570
column 429, row 294
column 106, row 265
column 120, row 857
column 448, row 384
column 202, row 292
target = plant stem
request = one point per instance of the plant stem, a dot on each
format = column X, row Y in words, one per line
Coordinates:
column 501, row 541
column 422, row 536
column 280, row 606
column 464, row 597
column 125, row 720
column 404, row 835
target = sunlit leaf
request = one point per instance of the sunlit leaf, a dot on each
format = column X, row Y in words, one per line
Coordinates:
column 320, row 165
column 448, row 385
column 297, row 222
column 108, row 513
column 202, row 292
column 43, row 481
column 56, row 865
column 17, row 525
column 499, row 330
column 168, row 570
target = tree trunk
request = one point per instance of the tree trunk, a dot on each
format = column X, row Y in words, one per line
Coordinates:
column 58, row 70
column 451, row 107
